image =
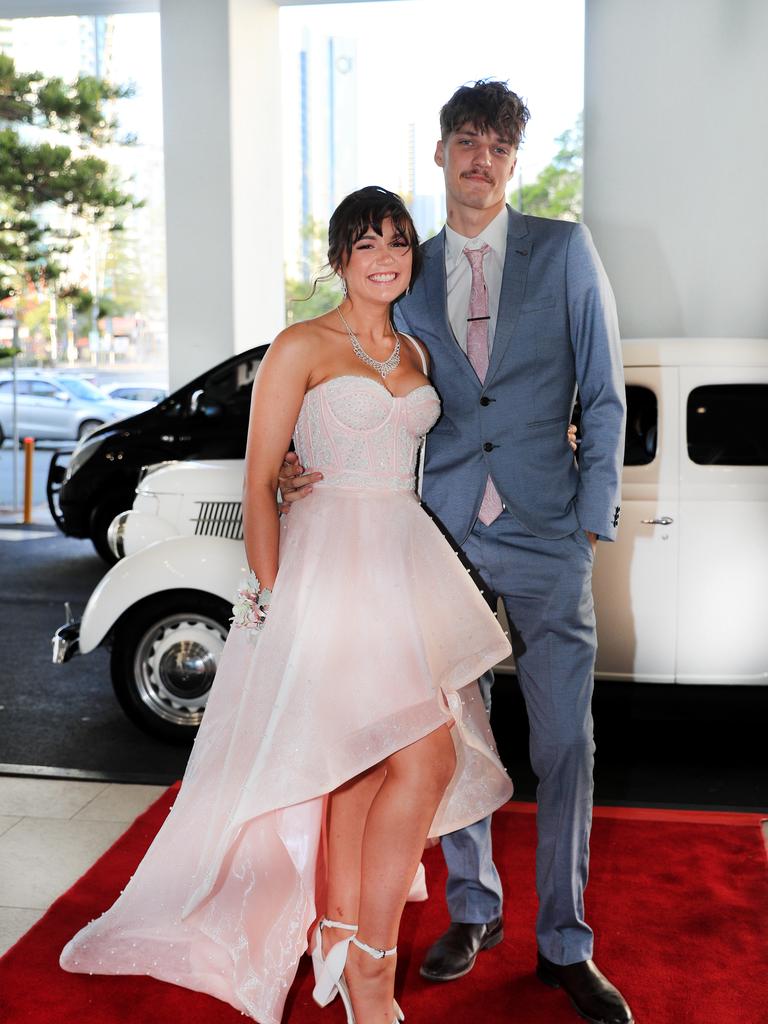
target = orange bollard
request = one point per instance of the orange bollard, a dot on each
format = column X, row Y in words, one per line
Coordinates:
column 29, row 451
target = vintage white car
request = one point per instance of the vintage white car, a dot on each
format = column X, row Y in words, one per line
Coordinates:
column 681, row 596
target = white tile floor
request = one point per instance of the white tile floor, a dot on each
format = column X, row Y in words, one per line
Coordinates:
column 51, row 831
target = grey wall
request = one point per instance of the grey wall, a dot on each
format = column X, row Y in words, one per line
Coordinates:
column 676, row 162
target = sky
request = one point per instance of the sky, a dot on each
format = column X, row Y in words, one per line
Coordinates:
column 53, row 45
column 413, row 54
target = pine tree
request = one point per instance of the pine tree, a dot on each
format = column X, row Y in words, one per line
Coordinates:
column 39, row 177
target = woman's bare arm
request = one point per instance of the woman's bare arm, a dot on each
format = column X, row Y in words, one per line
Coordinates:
column 278, row 392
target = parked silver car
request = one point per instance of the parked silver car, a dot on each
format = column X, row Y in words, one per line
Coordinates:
column 147, row 393
column 56, row 405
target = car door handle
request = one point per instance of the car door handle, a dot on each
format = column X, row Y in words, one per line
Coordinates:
column 663, row 521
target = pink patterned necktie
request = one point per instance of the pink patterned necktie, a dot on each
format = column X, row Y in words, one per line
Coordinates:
column 479, row 355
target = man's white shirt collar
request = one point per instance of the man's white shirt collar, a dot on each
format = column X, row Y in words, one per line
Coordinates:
column 493, row 234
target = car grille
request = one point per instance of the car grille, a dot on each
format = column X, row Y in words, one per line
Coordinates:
column 220, row 519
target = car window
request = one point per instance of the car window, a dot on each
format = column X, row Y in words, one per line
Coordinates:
column 727, row 425
column 227, row 390
column 138, row 394
column 42, row 388
column 642, row 426
column 6, row 386
column 22, row 386
column 82, row 389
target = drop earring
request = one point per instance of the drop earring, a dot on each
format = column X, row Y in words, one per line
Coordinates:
column 343, row 287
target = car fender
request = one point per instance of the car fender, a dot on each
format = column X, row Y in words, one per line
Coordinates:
column 213, row 565
column 81, row 416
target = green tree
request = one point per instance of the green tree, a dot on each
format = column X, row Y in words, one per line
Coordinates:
column 317, row 292
column 38, row 178
column 125, row 279
column 556, row 192
column 302, row 303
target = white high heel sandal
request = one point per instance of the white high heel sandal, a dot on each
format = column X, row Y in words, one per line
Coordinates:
column 326, row 975
column 329, row 971
column 377, row 954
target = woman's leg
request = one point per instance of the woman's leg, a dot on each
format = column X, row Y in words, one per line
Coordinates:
column 348, row 809
column 396, row 827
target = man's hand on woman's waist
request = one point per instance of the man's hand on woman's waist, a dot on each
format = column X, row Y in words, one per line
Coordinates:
column 295, row 484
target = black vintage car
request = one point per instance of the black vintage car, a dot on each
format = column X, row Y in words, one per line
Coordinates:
column 205, row 419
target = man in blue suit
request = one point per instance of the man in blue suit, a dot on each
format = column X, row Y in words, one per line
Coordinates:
column 517, row 313
column 551, row 327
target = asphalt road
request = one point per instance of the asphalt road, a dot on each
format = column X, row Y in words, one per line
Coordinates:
column 62, row 716
column 658, row 745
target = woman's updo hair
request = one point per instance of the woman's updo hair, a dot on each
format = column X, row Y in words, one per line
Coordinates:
column 368, row 208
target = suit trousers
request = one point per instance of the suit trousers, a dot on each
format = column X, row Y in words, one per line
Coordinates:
column 546, row 587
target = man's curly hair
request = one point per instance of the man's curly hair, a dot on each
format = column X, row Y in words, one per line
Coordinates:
column 486, row 105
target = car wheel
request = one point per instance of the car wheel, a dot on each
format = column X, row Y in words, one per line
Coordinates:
column 165, row 654
column 87, row 427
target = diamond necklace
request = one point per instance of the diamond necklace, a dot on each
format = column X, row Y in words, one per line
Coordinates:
column 384, row 368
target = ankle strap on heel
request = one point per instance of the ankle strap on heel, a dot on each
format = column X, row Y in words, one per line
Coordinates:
column 326, row 923
column 377, row 954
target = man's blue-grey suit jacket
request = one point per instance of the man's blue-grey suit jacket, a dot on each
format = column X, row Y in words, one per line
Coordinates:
column 556, row 330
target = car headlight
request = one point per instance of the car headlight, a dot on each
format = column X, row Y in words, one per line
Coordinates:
column 135, row 530
column 82, row 452
column 115, row 533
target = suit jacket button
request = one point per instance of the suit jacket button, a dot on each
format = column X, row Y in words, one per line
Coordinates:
column 487, row 447
column 485, row 400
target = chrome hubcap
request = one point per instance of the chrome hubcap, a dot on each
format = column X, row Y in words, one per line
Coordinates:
column 175, row 665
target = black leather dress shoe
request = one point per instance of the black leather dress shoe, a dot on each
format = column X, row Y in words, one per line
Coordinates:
column 592, row 995
column 454, row 953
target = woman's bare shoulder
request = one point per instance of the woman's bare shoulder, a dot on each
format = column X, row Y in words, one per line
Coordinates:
column 300, row 342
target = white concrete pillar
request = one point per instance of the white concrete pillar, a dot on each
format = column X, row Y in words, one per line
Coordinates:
column 221, row 113
column 676, row 146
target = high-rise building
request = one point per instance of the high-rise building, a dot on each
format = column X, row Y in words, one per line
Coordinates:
column 425, row 207
column 321, row 153
column 96, row 34
column 342, row 120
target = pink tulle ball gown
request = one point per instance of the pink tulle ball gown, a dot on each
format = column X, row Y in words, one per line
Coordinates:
column 374, row 638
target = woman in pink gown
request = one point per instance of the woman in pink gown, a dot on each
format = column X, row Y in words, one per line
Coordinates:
column 344, row 726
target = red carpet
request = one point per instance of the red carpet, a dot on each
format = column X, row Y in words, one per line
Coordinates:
column 679, row 902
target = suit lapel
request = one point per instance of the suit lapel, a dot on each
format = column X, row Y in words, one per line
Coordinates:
column 436, row 297
column 516, row 262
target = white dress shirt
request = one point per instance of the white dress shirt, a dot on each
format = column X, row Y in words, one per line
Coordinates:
column 458, row 273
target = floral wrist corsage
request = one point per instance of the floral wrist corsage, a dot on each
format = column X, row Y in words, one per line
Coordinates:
column 251, row 604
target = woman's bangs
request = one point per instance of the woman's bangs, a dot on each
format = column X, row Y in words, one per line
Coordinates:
column 373, row 219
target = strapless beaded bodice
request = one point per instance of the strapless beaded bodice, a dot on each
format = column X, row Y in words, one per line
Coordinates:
column 359, row 435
